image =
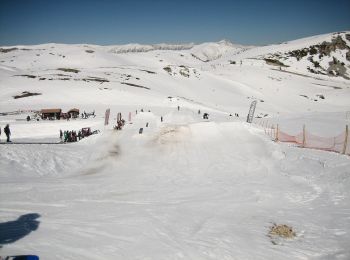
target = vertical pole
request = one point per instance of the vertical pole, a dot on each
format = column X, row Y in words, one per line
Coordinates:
column 304, row 138
column 277, row 133
column 346, row 138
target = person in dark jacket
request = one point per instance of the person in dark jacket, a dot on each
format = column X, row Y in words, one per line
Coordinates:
column 7, row 132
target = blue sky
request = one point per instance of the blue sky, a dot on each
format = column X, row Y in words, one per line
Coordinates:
column 177, row 21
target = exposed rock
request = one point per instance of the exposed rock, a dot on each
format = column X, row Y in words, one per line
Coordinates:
column 3, row 50
column 274, row 62
column 69, row 70
column 26, row 94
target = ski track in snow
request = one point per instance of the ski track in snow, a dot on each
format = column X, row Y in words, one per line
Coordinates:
column 196, row 190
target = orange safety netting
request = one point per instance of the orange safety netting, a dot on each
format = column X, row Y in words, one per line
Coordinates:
column 339, row 143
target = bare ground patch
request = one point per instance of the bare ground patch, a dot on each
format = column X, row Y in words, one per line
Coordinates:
column 26, row 94
column 280, row 231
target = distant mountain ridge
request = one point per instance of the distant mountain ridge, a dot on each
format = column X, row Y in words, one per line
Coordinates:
column 135, row 47
column 327, row 54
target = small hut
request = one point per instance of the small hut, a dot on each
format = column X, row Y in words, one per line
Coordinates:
column 52, row 113
column 73, row 113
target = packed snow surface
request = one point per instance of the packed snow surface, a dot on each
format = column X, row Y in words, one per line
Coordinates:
column 187, row 187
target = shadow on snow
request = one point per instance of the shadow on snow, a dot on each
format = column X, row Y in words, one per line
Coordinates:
column 12, row 231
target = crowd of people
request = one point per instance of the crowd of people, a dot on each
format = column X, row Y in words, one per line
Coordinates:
column 73, row 136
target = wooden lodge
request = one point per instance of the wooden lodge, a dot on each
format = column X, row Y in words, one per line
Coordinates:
column 73, row 113
column 53, row 113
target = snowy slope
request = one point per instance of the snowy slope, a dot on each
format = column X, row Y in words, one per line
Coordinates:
column 187, row 188
column 327, row 54
column 197, row 190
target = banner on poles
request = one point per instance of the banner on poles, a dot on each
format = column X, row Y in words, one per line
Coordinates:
column 251, row 112
column 108, row 111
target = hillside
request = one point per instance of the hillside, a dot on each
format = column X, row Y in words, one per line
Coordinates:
column 208, row 74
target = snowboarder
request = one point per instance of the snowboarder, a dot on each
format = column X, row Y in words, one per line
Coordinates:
column 7, row 132
column 28, row 118
column 205, row 116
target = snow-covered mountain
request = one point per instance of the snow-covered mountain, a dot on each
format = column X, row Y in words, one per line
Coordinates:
column 220, row 75
column 327, row 54
column 145, row 48
column 187, row 187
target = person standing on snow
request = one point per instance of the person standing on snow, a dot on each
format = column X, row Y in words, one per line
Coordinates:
column 7, row 132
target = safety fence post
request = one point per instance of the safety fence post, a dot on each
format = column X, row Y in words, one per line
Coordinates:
column 304, row 137
column 346, row 138
column 277, row 129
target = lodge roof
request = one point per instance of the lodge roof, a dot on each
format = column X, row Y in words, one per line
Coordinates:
column 51, row 110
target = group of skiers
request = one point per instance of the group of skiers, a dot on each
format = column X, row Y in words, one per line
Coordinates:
column 7, row 132
column 71, row 136
column 85, row 115
column 205, row 115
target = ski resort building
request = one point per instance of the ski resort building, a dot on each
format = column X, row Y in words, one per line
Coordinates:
column 73, row 113
column 53, row 113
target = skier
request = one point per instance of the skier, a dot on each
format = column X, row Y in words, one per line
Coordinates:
column 7, row 132
column 199, row 111
column 161, row 119
column 61, row 134
column 66, row 136
column 178, row 108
